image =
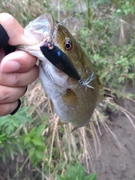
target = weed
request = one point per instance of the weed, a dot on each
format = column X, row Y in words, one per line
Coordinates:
column 105, row 30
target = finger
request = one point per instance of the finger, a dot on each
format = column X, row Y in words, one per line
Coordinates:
column 14, row 30
column 8, row 108
column 19, row 79
column 9, row 94
column 18, row 61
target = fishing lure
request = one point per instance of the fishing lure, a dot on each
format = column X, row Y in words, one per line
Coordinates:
column 59, row 59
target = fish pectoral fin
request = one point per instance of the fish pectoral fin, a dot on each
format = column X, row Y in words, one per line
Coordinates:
column 60, row 123
column 70, row 98
column 51, row 105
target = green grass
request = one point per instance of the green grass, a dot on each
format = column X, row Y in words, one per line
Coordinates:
column 51, row 149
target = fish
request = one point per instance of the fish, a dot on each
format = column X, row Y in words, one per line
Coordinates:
column 65, row 71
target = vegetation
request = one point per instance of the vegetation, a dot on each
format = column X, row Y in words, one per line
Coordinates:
column 105, row 29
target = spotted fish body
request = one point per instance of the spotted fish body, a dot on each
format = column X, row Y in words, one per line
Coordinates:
column 72, row 101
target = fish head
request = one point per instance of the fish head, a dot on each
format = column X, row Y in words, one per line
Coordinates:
column 62, row 38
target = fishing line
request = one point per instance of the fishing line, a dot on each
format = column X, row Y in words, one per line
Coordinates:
column 60, row 22
column 70, row 15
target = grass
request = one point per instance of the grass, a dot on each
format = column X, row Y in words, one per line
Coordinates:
column 82, row 145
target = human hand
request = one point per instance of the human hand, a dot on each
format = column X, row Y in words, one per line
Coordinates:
column 17, row 69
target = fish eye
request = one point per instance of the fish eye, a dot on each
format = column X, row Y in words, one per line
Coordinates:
column 50, row 46
column 68, row 44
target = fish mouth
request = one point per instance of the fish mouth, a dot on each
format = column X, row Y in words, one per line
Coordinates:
column 40, row 30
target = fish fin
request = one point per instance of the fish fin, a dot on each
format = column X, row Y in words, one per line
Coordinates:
column 75, row 128
column 51, row 105
column 70, row 98
column 60, row 123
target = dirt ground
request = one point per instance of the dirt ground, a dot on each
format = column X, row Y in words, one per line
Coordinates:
column 115, row 162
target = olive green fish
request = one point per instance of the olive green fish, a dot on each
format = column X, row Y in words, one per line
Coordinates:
column 73, row 92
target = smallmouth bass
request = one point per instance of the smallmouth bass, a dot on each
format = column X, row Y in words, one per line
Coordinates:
column 73, row 88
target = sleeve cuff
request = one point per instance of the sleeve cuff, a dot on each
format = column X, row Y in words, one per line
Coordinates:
column 19, row 104
column 4, row 38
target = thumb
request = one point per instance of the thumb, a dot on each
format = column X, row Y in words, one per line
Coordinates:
column 15, row 31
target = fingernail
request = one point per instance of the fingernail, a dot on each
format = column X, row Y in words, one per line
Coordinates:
column 11, row 66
